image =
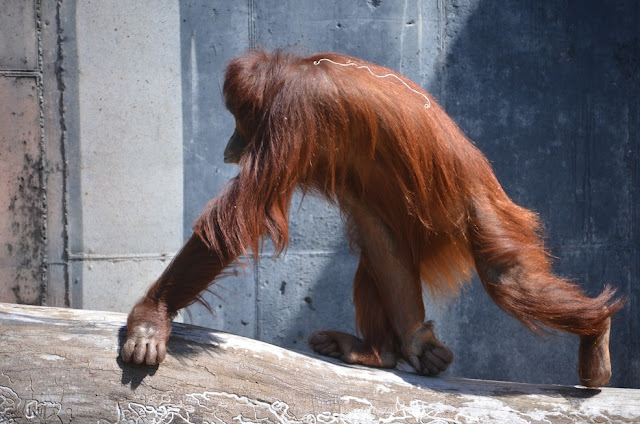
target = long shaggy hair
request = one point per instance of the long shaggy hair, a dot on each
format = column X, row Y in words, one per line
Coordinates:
column 360, row 134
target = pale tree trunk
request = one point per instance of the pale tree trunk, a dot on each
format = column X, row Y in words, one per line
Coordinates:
column 61, row 365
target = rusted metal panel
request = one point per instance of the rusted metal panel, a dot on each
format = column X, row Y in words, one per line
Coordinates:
column 22, row 208
column 18, row 35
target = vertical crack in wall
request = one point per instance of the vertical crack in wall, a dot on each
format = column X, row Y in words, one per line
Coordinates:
column 58, row 69
column 442, row 52
column 253, row 43
column 43, row 151
column 256, row 284
column 634, row 200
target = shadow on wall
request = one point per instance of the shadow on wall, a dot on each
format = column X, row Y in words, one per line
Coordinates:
column 549, row 92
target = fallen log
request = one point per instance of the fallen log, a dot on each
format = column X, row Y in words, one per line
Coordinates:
column 62, row 365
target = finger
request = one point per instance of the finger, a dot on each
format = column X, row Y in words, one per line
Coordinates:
column 322, row 343
column 433, row 370
column 429, row 369
column 432, row 358
column 443, row 353
column 389, row 360
column 127, row 350
column 327, row 349
column 318, row 338
column 415, row 362
column 139, row 353
column 151, row 358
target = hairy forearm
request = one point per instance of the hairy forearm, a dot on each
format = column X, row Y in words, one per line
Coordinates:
column 190, row 272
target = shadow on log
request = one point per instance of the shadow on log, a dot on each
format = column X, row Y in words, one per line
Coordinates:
column 62, row 365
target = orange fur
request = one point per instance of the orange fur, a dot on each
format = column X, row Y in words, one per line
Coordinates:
column 338, row 132
column 419, row 199
column 344, row 133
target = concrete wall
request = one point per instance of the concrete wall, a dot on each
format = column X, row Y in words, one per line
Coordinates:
column 124, row 120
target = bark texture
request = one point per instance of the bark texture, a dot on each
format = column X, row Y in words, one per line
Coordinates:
column 62, row 365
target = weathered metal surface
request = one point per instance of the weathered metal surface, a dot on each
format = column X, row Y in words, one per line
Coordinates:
column 22, row 205
column 61, row 365
column 19, row 43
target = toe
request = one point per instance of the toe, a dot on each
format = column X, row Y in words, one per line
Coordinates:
column 318, row 337
column 429, row 368
column 127, row 350
column 323, row 344
column 431, row 358
column 318, row 340
column 151, row 357
column 414, row 361
column 140, row 352
column 326, row 348
column 444, row 354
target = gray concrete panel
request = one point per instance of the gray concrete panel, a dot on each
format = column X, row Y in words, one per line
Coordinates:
column 125, row 114
column 301, row 293
column 18, row 35
column 116, row 284
column 211, row 34
column 22, row 207
column 539, row 105
column 401, row 35
column 130, row 126
column 315, row 225
column 231, row 303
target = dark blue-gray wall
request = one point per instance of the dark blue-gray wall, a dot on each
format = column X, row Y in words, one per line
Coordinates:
column 548, row 90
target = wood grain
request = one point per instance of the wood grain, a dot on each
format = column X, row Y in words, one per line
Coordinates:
column 61, row 365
